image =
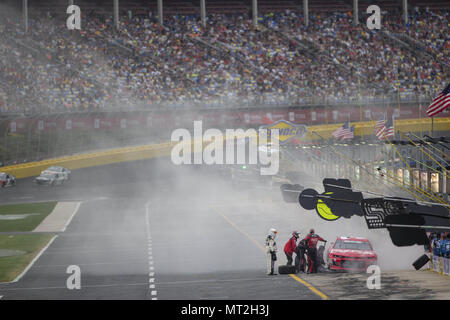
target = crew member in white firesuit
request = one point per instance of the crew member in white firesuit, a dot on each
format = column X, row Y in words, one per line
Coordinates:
column 271, row 251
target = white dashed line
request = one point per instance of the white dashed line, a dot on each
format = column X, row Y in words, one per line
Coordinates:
column 1, row 297
column 150, row 255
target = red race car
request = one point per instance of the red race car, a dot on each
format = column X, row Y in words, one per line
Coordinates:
column 351, row 254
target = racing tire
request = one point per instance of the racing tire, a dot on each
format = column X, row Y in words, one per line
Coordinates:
column 320, row 252
column 420, row 262
column 286, row 270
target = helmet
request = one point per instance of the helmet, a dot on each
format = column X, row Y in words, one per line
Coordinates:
column 273, row 232
column 295, row 234
column 311, row 231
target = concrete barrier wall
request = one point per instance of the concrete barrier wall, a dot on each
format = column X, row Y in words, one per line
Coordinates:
column 163, row 149
column 91, row 159
column 366, row 128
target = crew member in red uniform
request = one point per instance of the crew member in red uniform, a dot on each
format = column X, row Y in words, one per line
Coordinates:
column 289, row 247
column 311, row 240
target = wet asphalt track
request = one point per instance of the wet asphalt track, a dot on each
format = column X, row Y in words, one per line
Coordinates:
column 148, row 230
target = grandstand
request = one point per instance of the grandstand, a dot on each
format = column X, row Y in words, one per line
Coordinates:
column 228, row 60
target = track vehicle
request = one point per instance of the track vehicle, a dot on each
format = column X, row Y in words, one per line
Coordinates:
column 50, row 179
column 60, row 170
column 351, row 254
column 7, row 180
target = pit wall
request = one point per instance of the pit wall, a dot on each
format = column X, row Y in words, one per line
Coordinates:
column 362, row 129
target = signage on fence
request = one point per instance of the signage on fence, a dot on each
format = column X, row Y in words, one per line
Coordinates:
column 232, row 118
column 286, row 130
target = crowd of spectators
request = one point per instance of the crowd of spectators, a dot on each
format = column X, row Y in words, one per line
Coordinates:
column 227, row 63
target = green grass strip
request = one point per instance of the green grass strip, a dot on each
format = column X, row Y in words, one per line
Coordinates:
column 39, row 210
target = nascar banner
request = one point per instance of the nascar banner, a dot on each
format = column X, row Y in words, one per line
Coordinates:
column 286, row 130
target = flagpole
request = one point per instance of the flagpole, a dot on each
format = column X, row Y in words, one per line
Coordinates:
column 432, row 126
column 360, row 99
column 420, row 116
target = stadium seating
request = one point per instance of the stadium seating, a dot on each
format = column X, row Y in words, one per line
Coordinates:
column 228, row 63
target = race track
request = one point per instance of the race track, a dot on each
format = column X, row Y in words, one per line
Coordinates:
column 150, row 230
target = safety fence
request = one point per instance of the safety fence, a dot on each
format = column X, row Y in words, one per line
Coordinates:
column 319, row 158
column 440, row 265
column 37, row 137
column 400, row 170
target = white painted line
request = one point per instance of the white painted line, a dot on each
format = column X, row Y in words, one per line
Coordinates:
column 151, row 279
column 79, row 264
column 154, row 298
column 71, row 217
column 138, row 284
column 34, row 260
column 84, row 286
column 1, row 297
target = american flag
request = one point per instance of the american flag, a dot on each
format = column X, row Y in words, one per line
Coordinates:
column 380, row 127
column 344, row 132
column 440, row 103
column 350, row 134
column 387, row 130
